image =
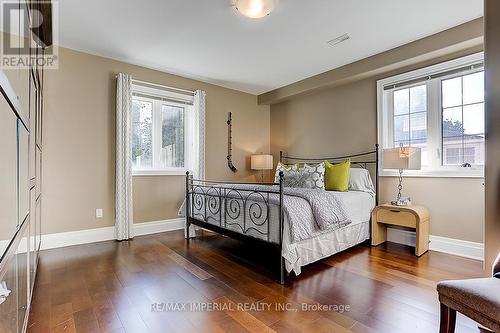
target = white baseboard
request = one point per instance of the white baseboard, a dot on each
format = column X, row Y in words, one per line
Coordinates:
column 62, row 239
column 405, row 237
column 155, row 227
column 441, row 244
column 52, row 241
column 456, row 247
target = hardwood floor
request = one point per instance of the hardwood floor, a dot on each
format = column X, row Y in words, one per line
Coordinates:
column 113, row 287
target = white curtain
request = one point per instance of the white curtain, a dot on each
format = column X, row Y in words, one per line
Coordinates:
column 198, row 153
column 123, row 206
column 199, row 140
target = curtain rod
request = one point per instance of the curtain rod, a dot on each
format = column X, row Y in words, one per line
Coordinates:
column 189, row 92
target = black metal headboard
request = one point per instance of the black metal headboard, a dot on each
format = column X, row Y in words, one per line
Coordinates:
column 362, row 160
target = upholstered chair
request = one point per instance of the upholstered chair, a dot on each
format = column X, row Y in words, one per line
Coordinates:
column 478, row 299
column 496, row 267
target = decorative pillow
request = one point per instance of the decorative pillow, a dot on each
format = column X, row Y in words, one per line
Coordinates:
column 297, row 178
column 360, row 180
column 286, row 170
column 307, row 176
column 337, row 176
column 315, row 176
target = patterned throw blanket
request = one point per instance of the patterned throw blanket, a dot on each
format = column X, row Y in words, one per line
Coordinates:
column 307, row 210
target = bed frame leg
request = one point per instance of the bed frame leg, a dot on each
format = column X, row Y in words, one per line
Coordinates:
column 282, row 270
column 187, row 229
column 280, row 247
column 186, row 202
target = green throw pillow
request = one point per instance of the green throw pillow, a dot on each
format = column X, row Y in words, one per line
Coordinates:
column 337, row 176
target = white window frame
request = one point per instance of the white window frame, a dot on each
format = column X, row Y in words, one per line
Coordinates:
column 434, row 118
column 161, row 97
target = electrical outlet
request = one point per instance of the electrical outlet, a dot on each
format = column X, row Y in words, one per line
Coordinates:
column 98, row 213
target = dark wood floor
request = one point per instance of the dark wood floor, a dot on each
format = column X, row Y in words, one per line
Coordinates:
column 111, row 286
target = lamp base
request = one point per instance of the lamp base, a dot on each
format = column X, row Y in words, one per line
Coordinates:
column 402, row 201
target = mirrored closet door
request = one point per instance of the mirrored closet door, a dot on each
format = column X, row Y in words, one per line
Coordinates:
column 21, row 114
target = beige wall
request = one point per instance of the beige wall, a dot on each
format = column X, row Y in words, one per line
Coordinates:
column 455, row 204
column 343, row 119
column 492, row 86
column 79, row 142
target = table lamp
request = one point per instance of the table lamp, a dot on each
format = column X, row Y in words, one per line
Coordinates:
column 401, row 158
column 261, row 162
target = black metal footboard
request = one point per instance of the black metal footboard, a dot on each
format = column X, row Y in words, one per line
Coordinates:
column 238, row 210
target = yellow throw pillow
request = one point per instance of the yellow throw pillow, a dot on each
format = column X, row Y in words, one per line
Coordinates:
column 337, row 176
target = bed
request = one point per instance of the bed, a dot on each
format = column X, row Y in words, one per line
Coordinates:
column 303, row 225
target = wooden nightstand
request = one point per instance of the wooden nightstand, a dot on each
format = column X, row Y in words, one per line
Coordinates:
column 416, row 217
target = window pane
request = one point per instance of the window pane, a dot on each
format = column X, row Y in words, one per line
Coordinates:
column 142, row 134
column 401, row 101
column 474, row 119
column 418, row 98
column 473, row 152
column 418, row 125
column 172, row 147
column 474, row 88
column 452, row 151
column 452, row 122
column 452, row 92
column 401, row 128
column 463, row 124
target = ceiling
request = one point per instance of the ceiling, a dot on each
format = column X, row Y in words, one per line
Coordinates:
column 209, row 41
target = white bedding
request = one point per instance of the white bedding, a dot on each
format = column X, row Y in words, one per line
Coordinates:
column 324, row 244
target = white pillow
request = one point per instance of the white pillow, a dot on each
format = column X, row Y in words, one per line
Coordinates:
column 360, row 180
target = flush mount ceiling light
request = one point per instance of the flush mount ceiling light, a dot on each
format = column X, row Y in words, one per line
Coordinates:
column 254, row 8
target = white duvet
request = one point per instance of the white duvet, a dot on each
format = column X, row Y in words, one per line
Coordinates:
column 321, row 245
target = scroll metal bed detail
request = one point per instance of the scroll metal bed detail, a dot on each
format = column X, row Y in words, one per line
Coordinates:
column 247, row 213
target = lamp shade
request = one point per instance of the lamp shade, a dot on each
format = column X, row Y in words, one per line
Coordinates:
column 405, row 158
column 261, row 162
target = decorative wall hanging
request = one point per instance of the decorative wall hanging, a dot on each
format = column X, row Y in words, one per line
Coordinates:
column 230, row 143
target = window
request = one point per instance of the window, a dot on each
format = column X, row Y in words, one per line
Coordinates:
column 410, row 117
column 172, row 136
column 160, row 124
column 463, row 119
column 142, row 134
column 441, row 110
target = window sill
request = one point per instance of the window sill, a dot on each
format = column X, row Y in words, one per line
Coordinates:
column 474, row 173
column 143, row 173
